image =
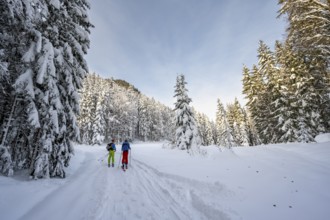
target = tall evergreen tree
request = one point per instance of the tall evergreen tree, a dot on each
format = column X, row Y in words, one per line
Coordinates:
column 15, row 23
column 204, row 128
column 296, row 112
column 48, row 73
column 261, row 89
column 309, row 36
column 237, row 124
column 187, row 135
column 87, row 108
column 224, row 137
column 99, row 124
column 252, row 133
column 268, row 73
column 168, row 123
column 254, row 88
column 144, row 119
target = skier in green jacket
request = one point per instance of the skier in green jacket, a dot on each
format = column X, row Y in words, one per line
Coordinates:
column 111, row 147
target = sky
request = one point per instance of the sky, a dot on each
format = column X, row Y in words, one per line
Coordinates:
column 149, row 43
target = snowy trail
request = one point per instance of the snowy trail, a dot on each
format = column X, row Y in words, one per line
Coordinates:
column 185, row 203
column 286, row 181
column 98, row 192
column 84, row 187
column 144, row 193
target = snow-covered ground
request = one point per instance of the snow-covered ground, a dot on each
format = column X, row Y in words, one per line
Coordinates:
column 285, row 181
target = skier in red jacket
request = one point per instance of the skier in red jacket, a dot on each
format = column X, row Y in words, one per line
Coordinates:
column 125, row 148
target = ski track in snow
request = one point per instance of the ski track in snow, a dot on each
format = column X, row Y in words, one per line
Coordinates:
column 76, row 195
column 288, row 181
column 142, row 192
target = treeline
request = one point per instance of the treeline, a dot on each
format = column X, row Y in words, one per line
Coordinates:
column 288, row 89
column 232, row 127
column 193, row 129
column 112, row 108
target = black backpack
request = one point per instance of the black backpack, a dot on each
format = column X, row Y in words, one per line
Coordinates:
column 109, row 147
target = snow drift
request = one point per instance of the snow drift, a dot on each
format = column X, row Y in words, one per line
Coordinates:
column 283, row 181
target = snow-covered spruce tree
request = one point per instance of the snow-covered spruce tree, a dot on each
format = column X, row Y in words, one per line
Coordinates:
column 287, row 88
column 60, row 71
column 237, row 124
column 168, row 123
column 254, row 88
column 214, row 132
column 259, row 86
column 265, row 75
column 87, row 108
column 94, row 107
column 309, row 36
column 250, row 128
column 204, row 128
column 156, row 121
column 133, row 96
column 295, row 110
column 98, row 118
column 224, row 133
column 10, row 27
column 99, row 125
column 269, row 72
column 187, row 135
column 107, row 109
column 49, row 72
column 18, row 117
column 144, row 119
column 250, row 89
column 139, row 109
column 124, row 104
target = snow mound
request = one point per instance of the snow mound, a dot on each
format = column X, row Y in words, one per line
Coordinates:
column 322, row 138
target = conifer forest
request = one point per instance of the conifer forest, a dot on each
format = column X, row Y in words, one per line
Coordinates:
column 49, row 99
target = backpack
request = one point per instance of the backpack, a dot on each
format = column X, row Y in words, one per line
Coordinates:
column 109, row 147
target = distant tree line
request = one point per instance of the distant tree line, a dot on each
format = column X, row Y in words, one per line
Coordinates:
column 111, row 108
column 115, row 109
column 232, row 127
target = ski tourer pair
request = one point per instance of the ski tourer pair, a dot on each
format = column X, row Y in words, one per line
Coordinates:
column 125, row 148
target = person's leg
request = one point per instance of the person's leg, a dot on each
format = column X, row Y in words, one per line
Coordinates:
column 125, row 157
column 113, row 158
column 109, row 157
column 127, row 160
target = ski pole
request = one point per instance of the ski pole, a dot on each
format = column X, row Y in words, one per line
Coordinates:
column 102, row 158
column 130, row 158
